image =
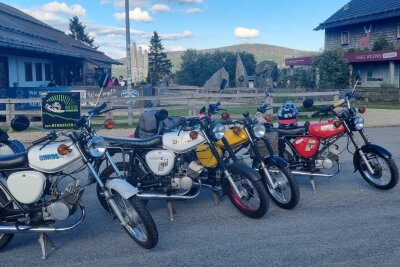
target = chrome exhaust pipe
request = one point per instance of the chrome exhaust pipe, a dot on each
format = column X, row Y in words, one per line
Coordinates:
column 12, row 229
column 164, row 196
column 314, row 174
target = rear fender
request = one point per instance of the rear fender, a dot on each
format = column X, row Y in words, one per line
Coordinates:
column 370, row 148
column 275, row 160
column 125, row 189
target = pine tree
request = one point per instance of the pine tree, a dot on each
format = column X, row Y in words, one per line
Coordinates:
column 159, row 64
column 78, row 32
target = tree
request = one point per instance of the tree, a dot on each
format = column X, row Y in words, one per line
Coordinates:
column 333, row 70
column 78, row 32
column 196, row 68
column 382, row 43
column 159, row 64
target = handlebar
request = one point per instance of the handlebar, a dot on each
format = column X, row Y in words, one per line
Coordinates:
column 52, row 135
column 97, row 110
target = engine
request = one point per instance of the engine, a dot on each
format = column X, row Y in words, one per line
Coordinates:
column 328, row 159
column 190, row 172
column 65, row 205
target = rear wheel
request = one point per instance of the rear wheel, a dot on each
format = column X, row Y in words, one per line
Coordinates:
column 138, row 222
column 286, row 193
column 385, row 172
column 4, row 238
column 254, row 202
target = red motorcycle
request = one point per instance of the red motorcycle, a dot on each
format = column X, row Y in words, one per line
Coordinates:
column 311, row 150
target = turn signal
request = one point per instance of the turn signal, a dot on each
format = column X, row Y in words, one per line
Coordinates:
column 268, row 118
column 337, row 124
column 362, row 110
column 63, row 149
column 193, row 135
column 225, row 116
column 109, row 124
column 237, row 131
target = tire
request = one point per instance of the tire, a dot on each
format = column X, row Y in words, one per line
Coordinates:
column 4, row 238
column 253, row 190
column 140, row 225
column 287, row 193
column 383, row 168
column 110, row 172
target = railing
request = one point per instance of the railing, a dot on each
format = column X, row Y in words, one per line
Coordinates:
column 190, row 100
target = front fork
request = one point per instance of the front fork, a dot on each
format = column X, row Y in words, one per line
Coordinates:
column 358, row 148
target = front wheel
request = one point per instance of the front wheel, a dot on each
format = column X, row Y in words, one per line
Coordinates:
column 286, row 193
column 254, row 202
column 138, row 222
column 4, row 238
column 385, row 172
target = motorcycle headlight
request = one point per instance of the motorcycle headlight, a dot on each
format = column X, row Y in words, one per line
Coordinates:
column 218, row 131
column 358, row 123
column 259, row 130
column 96, row 146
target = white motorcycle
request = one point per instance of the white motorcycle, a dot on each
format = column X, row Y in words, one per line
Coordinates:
column 34, row 195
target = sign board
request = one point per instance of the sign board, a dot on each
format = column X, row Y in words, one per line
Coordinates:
column 60, row 110
column 373, row 56
column 130, row 94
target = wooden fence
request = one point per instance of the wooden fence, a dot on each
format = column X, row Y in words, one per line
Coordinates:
column 190, row 100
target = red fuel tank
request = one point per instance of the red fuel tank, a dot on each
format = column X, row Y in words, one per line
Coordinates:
column 306, row 146
column 325, row 129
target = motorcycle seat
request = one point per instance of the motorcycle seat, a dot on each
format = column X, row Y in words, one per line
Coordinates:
column 292, row 131
column 13, row 161
column 136, row 143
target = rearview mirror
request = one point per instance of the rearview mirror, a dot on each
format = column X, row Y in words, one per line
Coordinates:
column 20, row 123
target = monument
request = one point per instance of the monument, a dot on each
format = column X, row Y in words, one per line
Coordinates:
column 241, row 79
column 266, row 71
column 139, row 64
column 215, row 81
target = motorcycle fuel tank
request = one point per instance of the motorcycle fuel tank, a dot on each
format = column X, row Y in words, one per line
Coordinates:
column 181, row 142
column 325, row 129
column 160, row 162
column 48, row 160
column 306, row 146
column 206, row 157
column 234, row 139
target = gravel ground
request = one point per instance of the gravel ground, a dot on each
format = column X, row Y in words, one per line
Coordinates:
column 346, row 222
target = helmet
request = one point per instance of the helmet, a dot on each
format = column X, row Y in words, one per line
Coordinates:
column 288, row 114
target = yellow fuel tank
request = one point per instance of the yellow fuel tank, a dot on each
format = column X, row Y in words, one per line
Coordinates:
column 233, row 138
column 205, row 156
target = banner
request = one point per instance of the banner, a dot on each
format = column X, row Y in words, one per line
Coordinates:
column 60, row 110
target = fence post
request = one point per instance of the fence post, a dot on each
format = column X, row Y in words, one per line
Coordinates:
column 270, row 101
column 191, row 107
column 109, row 115
column 10, row 107
column 336, row 96
column 366, row 99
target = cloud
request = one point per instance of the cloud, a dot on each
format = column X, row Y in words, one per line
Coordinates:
column 241, row 32
column 160, row 8
column 177, row 36
column 111, row 31
column 105, row 2
column 63, row 8
column 193, row 10
column 137, row 15
column 175, row 48
column 191, row 1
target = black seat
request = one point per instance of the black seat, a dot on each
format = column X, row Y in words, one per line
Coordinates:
column 292, row 131
column 129, row 143
column 13, row 161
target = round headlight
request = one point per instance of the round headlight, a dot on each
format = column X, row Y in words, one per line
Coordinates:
column 218, row 131
column 358, row 123
column 259, row 130
column 96, row 146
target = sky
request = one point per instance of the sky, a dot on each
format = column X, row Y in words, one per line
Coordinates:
column 191, row 24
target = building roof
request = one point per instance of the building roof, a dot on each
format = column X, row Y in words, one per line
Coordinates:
column 18, row 30
column 359, row 11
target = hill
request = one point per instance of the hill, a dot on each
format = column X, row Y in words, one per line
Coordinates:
column 260, row 51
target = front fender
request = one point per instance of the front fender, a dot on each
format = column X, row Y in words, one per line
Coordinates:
column 242, row 168
column 275, row 160
column 125, row 189
column 370, row 148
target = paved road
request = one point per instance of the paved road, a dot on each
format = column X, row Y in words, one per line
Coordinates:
column 346, row 222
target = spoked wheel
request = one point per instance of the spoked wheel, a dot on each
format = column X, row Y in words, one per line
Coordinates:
column 253, row 202
column 4, row 238
column 385, row 172
column 286, row 193
column 138, row 222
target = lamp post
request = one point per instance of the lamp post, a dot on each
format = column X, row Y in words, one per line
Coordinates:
column 128, row 63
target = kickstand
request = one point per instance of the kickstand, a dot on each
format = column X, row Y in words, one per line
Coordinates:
column 43, row 238
column 171, row 209
column 314, row 187
column 216, row 197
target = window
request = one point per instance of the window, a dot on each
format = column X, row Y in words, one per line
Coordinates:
column 344, row 38
column 28, row 72
column 47, row 72
column 39, row 72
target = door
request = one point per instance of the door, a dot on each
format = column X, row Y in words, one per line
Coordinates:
column 4, row 72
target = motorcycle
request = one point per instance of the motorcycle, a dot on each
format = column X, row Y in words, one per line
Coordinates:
column 311, row 149
column 249, row 134
column 34, row 195
column 175, row 166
